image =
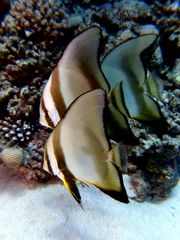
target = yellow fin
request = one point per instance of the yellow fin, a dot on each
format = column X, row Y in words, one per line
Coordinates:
column 70, row 185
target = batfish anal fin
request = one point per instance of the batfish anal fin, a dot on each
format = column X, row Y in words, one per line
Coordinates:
column 70, row 185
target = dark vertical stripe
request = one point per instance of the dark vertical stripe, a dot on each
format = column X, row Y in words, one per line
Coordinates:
column 46, row 158
column 56, row 92
column 113, row 100
column 57, row 148
column 69, row 178
column 91, row 78
column 59, row 152
column 123, row 100
column 47, row 117
column 104, row 119
column 113, row 97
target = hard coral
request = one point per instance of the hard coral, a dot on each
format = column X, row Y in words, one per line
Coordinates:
column 25, row 103
column 32, row 170
column 154, row 161
column 26, row 34
column 167, row 18
column 29, row 48
column 15, row 131
column 13, row 157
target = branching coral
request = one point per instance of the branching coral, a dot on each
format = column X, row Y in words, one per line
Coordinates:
column 27, row 33
column 15, row 131
column 32, row 170
column 30, row 29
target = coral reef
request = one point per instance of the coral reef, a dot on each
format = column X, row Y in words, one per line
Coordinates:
column 32, row 170
column 15, row 131
column 153, row 166
column 32, row 38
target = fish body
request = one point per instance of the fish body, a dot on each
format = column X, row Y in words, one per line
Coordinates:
column 80, row 149
column 77, row 72
column 124, row 70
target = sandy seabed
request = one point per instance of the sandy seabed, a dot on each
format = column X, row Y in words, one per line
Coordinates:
column 47, row 212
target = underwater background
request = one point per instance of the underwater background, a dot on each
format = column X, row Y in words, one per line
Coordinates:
column 33, row 37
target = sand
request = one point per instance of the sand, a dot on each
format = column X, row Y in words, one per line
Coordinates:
column 48, row 212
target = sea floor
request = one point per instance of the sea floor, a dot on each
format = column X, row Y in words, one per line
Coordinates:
column 47, row 212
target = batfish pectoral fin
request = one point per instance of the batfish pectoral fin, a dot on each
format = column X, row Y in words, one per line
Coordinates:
column 116, row 97
column 114, row 155
column 154, row 84
column 118, row 127
column 118, row 156
column 118, row 119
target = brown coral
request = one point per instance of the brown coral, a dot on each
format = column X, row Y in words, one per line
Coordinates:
column 27, row 33
column 29, row 48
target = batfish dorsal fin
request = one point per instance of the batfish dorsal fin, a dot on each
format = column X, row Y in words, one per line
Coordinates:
column 124, row 62
column 82, row 57
column 77, row 72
